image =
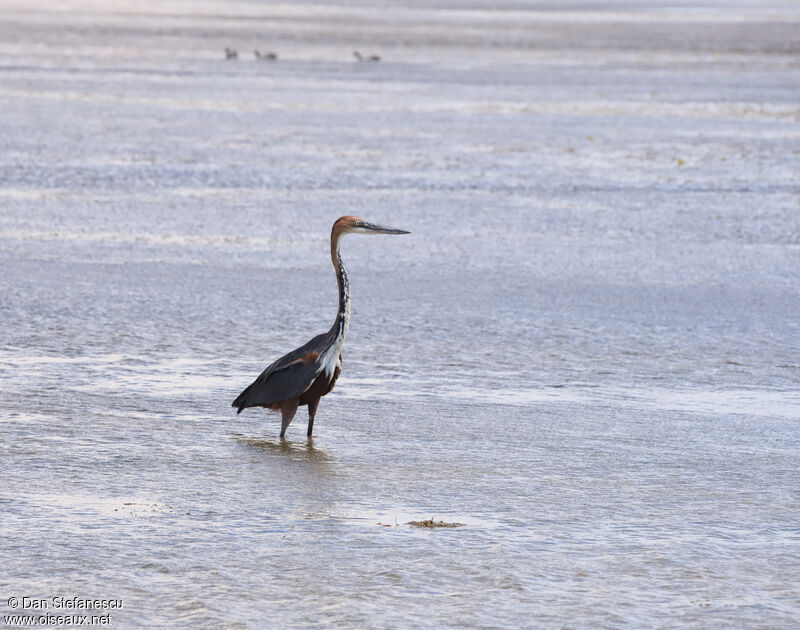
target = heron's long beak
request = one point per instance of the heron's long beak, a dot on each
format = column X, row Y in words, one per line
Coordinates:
column 380, row 229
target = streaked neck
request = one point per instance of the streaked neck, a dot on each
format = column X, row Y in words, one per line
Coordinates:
column 342, row 322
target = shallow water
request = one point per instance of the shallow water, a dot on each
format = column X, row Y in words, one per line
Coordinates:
column 586, row 351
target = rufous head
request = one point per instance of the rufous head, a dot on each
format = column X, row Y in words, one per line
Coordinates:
column 357, row 225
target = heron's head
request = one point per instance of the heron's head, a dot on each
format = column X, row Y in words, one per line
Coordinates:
column 357, row 225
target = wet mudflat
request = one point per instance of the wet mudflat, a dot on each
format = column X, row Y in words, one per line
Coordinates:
column 586, row 352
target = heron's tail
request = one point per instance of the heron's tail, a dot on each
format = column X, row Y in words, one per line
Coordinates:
column 251, row 397
column 241, row 401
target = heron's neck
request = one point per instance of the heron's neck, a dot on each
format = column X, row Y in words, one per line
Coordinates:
column 343, row 316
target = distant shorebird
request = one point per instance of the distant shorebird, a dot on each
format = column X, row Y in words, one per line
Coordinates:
column 305, row 375
column 360, row 57
column 231, row 53
column 267, row 56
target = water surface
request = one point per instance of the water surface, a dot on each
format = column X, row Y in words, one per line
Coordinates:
column 586, row 351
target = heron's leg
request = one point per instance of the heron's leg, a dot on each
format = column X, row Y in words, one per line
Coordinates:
column 312, row 411
column 288, row 409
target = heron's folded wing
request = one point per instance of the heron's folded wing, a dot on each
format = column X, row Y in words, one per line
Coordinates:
column 281, row 382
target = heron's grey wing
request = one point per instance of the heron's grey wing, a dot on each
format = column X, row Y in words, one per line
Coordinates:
column 286, row 378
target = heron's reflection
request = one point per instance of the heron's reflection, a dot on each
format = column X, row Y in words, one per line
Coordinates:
column 298, row 450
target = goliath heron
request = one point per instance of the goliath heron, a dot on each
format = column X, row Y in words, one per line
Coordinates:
column 306, row 374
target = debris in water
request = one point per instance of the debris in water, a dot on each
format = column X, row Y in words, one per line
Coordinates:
column 430, row 523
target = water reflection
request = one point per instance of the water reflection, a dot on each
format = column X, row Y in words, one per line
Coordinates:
column 297, row 450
